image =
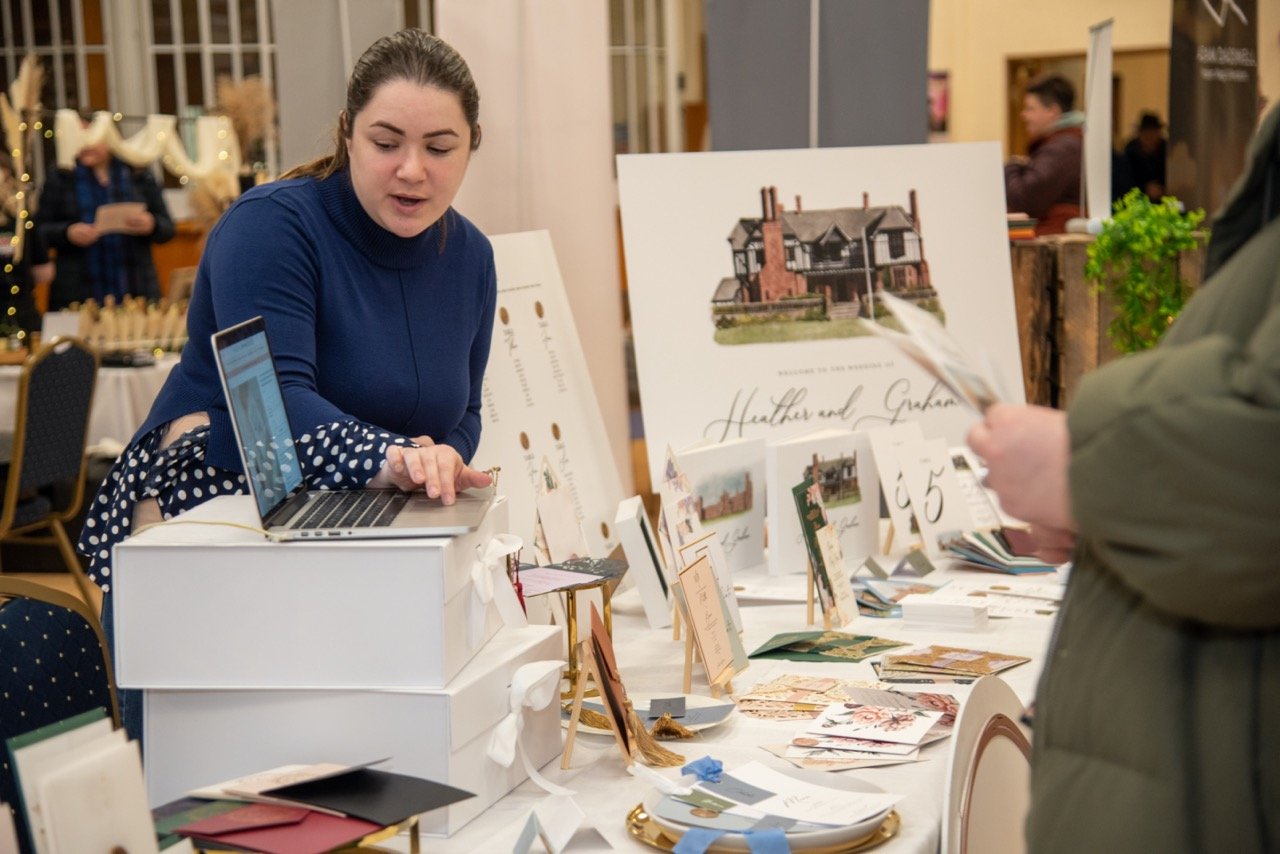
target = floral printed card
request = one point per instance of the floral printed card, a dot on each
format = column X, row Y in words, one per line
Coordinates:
column 820, row 759
column 855, row 745
column 878, row 723
column 794, row 696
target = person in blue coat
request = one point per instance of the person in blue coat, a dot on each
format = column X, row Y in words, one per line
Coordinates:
column 378, row 299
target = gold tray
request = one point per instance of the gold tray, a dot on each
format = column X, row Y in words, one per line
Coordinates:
column 644, row 829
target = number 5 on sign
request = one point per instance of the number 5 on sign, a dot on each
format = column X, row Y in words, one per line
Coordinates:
column 936, row 492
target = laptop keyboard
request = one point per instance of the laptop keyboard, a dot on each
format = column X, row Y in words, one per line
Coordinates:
column 340, row 509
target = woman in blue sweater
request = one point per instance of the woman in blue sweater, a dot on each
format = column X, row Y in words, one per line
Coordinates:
column 379, row 302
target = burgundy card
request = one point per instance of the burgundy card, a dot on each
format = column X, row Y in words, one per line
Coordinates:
column 246, row 818
column 316, row 833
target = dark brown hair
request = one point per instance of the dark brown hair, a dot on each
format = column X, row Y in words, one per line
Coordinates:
column 411, row 54
column 1054, row 90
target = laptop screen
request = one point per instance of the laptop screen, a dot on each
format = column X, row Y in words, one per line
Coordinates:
column 258, row 413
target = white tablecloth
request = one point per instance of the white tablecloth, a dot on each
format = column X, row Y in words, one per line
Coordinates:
column 651, row 661
column 121, row 401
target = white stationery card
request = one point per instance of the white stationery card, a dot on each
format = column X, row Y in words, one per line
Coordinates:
column 756, row 788
column 846, row 472
column 937, row 497
column 839, row 574
column 708, row 545
column 727, row 482
column 885, row 444
column 877, row 723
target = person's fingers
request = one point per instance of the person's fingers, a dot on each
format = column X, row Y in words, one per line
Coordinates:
column 979, row 438
column 430, row 474
column 470, row 478
column 395, row 459
column 1054, row 556
column 449, row 466
column 423, row 441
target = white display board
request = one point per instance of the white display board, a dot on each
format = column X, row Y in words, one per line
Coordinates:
column 538, row 398
column 933, row 217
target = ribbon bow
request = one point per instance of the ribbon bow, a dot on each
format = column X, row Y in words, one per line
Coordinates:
column 533, row 686
column 489, row 584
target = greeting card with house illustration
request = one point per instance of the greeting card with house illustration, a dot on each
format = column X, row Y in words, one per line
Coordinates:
column 766, row 333
column 727, row 480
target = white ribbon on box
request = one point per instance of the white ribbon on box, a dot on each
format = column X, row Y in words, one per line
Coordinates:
column 489, row 583
column 533, row 686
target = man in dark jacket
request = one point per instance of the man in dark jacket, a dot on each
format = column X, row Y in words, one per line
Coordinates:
column 1145, row 155
column 1046, row 185
column 92, row 263
column 1157, row 722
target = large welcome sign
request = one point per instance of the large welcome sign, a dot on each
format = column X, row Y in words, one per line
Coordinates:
column 753, row 279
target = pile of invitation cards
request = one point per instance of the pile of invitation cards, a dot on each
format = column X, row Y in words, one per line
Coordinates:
column 944, row 664
column 798, row 697
column 875, row 727
column 756, row 799
column 882, row 597
column 995, row 553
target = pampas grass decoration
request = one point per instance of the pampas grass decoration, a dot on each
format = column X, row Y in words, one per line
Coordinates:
column 250, row 107
column 211, row 196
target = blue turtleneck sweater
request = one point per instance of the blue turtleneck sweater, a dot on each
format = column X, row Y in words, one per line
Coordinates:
column 389, row 331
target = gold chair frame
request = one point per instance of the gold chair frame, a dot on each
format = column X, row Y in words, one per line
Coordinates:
column 57, row 535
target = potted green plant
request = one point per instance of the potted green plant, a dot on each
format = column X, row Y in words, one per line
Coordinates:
column 1135, row 260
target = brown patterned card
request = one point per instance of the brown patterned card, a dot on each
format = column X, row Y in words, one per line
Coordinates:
column 954, row 661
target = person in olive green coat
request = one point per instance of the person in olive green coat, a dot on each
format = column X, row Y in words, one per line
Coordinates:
column 1157, row 722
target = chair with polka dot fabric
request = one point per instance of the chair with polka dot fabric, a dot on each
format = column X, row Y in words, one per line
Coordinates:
column 53, row 665
column 45, row 483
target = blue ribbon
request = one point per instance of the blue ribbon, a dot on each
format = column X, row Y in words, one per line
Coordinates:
column 707, row 769
column 771, row 841
column 696, row 840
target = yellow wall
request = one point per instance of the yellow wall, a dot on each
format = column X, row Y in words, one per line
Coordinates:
column 973, row 40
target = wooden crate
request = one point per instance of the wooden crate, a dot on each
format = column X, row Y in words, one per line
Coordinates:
column 1035, row 287
column 1085, row 313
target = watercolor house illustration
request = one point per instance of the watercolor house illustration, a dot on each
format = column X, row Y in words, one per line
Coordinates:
column 728, row 503
column 841, row 255
column 837, row 477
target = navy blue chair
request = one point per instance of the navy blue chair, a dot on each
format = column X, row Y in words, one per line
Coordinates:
column 45, row 483
column 53, row 665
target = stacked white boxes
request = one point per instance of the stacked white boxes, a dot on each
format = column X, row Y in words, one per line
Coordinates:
column 253, row 654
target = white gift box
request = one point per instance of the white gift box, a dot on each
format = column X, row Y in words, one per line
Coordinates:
column 195, row 738
column 209, row 605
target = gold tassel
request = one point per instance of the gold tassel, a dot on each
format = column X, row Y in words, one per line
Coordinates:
column 654, row 754
column 666, row 728
column 590, row 717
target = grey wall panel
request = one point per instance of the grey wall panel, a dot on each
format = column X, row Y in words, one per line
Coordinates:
column 872, row 67
column 873, row 72
column 311, row 78
column 758, row 73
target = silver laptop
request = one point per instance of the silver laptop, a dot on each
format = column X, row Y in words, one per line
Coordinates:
column 288, row 510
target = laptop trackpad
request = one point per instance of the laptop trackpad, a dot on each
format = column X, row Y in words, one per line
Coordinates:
column 433, row 516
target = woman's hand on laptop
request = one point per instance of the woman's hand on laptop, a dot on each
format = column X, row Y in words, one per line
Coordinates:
column 436, row 469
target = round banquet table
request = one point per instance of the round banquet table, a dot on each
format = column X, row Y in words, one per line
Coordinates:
column 651, row 662
column 121, row 401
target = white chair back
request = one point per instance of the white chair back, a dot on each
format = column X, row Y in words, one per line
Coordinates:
column 988, row 775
